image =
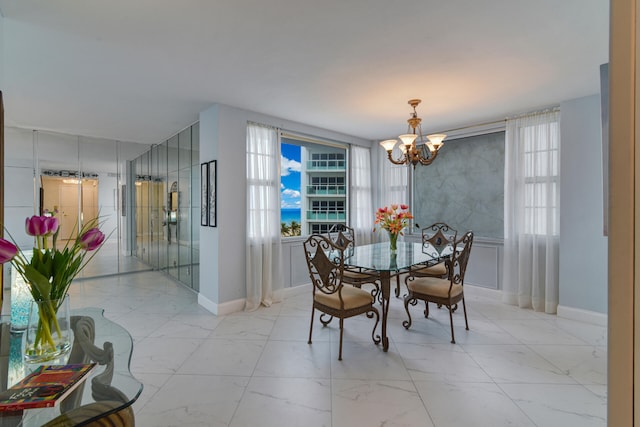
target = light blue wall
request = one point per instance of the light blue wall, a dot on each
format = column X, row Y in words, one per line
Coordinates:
column 583, row 248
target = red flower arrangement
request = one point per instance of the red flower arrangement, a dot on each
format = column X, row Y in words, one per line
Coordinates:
column 394, row 219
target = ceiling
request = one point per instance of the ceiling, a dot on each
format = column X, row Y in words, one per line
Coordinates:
column 142, row 70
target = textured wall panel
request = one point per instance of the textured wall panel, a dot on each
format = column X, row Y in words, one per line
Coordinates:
column 464, row 186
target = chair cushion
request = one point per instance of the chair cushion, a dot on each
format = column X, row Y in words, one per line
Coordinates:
column 434, row 270
column 434, row 286
column 352, row 298
column 351, row 276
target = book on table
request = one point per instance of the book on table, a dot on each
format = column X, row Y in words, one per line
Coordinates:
column 44, row 387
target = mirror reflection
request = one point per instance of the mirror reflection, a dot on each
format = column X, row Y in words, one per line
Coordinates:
column 141, row 194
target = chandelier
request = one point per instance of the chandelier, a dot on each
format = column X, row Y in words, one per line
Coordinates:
column 415, row 150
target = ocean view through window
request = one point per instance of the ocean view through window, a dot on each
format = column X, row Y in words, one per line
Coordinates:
column 289, row 215
column 290, row 195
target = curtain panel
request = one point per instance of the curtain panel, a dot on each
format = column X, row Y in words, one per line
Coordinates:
column 393, row 183
column 361, row 194
column 532, row 211
column 264, row 248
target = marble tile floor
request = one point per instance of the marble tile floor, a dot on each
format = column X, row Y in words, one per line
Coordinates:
column 514, row 367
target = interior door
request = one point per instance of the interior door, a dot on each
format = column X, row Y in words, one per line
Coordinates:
column 62, row 197
column 67, row 210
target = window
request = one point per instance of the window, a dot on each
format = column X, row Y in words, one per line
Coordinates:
column 321, row 228
column 540, row 163
column 327, row 185
column 328, row 160
column 313, row 185
column 330, row 206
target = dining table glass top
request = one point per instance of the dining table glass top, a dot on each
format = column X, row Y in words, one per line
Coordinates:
column 378, row 256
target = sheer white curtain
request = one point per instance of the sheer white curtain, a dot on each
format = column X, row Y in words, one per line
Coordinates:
column 360, row 195
column 532, row 211
column 393, row 182
column 264, row 249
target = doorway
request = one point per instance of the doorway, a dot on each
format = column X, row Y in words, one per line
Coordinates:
column 74, row 201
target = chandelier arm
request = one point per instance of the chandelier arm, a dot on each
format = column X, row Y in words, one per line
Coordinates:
column 427, row 161
column 401, row 161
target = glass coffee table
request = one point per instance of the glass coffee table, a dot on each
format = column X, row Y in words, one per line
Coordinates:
column 110, row 389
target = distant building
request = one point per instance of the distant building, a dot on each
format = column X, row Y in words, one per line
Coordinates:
column 323, row 188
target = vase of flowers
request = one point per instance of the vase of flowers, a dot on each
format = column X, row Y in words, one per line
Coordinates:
column 48, row 333
column 394, row 219
column 48, row 274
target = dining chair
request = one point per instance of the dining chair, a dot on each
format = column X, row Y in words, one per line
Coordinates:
column 434, row 237
column 325, row 261
column 444, row 292
column 344, row 237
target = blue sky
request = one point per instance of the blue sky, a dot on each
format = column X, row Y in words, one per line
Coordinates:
column 290, row 167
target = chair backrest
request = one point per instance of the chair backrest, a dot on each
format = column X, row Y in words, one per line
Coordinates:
column 325, row 261
column 438, row 236
column 342, row 236
column 460, row 258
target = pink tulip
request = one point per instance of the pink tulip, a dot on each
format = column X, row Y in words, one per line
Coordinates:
column 404, row 207
column 52, row 224
column 35, row 226
column 7, row 251
column 41, row 225
column 92, row 239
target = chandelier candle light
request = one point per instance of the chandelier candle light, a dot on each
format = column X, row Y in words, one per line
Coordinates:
column 415, row 149
column 48, row 274
column 393, row 219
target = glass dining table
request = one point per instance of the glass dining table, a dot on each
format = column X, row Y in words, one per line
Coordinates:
column 379, row 257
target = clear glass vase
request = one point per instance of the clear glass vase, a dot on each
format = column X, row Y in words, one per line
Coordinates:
column 48, row 333
column 393, row 241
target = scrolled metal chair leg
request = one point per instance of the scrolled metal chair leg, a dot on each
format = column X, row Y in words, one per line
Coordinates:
column 323, row 321
column 407, row 301
column 376, row 338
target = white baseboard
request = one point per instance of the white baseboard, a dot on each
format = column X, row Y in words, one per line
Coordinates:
column 207, row 304
column 565, row 312
column 238, row 304
column 293, row 291
column 221, row 309
column 581, row 315
column 484, row 291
